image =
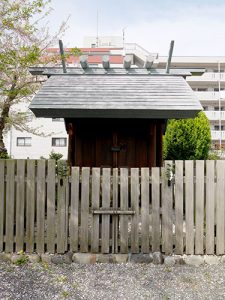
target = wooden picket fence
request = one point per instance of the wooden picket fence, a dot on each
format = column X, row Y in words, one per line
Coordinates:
column 175, row 209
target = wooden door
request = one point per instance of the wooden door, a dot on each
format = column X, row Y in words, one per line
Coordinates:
column 133, row 140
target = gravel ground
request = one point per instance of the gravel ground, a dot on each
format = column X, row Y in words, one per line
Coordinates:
column 111, row 281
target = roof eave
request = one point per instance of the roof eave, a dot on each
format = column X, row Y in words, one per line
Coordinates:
column 114, row 113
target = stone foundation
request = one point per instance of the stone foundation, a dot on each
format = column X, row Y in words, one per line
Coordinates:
column 156, row 258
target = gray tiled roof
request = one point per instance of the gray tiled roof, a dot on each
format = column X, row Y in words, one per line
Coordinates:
column 120, row 96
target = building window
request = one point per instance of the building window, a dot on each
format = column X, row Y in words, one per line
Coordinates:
column 217, row 89
column 59, row 142
column 202, row 89
column 23, row 141
column 222, row 108
column 217, row 127
column 57, row 119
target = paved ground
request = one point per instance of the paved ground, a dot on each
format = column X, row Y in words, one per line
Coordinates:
column 111, row 281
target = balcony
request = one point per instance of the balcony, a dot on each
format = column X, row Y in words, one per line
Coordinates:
column 215, row 115
column 215, row 134
column 209, row 96
column 206, row 77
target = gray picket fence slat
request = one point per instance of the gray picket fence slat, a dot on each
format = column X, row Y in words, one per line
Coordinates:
column 2, row 202
column 10, row 205
column 30, row 205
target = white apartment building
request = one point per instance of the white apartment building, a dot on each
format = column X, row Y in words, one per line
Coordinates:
column 209, row 87
column 53, row 137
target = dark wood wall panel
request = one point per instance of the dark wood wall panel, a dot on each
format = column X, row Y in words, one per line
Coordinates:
column 116, row 142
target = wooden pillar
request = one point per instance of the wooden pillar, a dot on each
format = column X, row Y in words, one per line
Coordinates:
column 115, row 154
column 159, row 142
column 70, row 131
column 153, row 148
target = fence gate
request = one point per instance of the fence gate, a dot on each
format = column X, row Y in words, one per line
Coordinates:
column 120, row 211
column 112, row 211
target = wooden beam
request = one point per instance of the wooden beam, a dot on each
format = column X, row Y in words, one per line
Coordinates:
column 115, row 154
column 159, row 142
column 113, row 212
column 153, row 151
column 105, row 62
column 127, row 62
column 169, row 57
column 149, row 62
column 62, row 56
column 84, row 61
column 70, row 131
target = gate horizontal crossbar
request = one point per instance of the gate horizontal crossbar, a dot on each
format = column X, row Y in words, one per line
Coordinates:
column 113, row 212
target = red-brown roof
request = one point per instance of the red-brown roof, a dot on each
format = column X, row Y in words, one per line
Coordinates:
column 95, row 58
column 56, row 50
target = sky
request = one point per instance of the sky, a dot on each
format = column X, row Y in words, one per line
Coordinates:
column 197, row 26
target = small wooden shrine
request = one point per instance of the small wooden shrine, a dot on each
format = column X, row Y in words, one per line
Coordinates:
column 115, row 117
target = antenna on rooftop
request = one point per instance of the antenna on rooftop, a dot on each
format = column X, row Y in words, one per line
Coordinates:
column 97, row 30
column 62, row 56
column 124, row 36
